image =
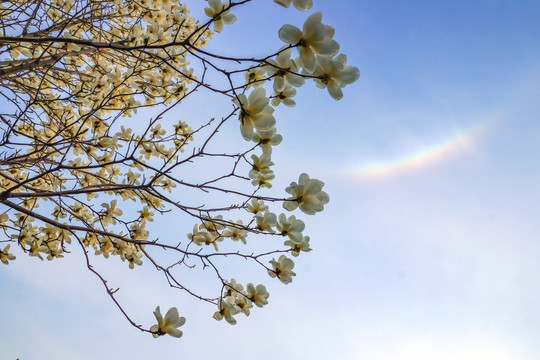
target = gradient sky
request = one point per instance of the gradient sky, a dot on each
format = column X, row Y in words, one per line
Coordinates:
column 429, row 247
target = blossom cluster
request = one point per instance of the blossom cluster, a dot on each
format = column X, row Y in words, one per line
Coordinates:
column 236, row 299
column 77, row 166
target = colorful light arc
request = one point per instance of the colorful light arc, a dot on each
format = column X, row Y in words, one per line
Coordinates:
column 422, row 157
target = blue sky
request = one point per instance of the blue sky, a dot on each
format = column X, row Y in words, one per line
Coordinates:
column 437, row 258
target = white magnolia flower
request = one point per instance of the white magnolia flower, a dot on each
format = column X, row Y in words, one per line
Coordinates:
column 283, row 70
column 314, row 38
column 263, row 179
column 297, row 247
column 261, row 164
column 266, row 221
column 282, row 269
column 244, row 304
column 255, row 77
column 255, row 112
column 236, row 233
column 257, row 294
column 284, row 96
column 213, row 11
column 202, row 237
column 226, row 311
column 256, row 206
column 307, row 195
column 267, row 139
column 169, row 324
column 301, row 5
column 232, row 288
column 291, row 227
column 5, row 255
column 334, row 74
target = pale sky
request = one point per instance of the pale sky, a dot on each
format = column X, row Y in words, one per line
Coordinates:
column 429, row 246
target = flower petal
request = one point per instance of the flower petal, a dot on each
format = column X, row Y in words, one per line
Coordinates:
column 348, row 75
column 303, row 5
column 334, row 90
column 326, row 47
column 290, row 34
column 307, row 59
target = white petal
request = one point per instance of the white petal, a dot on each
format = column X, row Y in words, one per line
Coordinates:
column 174, row 332
column 326, row 47
column 290, row 205
column 284, row 3
column 313, row 186
column 348, row 75
column 290, row 34
column 323, row 197
column 313, row 29
column 279, row 83
column 340, row 61
column 289, row 102
column 218, row 26
column 240, row 100
column 246, row 129
column 283, row 57
column 263, row 121
column 307, row 59
column 303, row 5
column 228, row 18
column 172, row 316
column 330, row 31
column 294, row 80
column 215, row 4
column 209, row 12
column 257, row 100
column 334, row 90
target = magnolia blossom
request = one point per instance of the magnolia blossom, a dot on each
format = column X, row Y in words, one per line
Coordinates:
column 255, row 112
column 232, row 288
column 256, row 206
column 169, row 324
column 201, row 237
column 333, row 74
column 219, row 18
column 255, row 77
column 137, row 231
column 5, row 255
column 283, row 70
column 267, row 139
column 260, row 164
column 236, row 233
column 284, row 96
column 301, row 5
column 226, row 311
column 290, row 227
column 146, row 214
column 282, row 269
column 244, row 304
column 307, row 195
column 257, row 294
column 266, row 221
column 134, row 258
column 263, row 179
column 110, row 212
column 234, row 294
column 297, row 247
column 314, row 38
column 261, row 173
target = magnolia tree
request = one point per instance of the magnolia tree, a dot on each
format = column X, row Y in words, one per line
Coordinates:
column 79, row 168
